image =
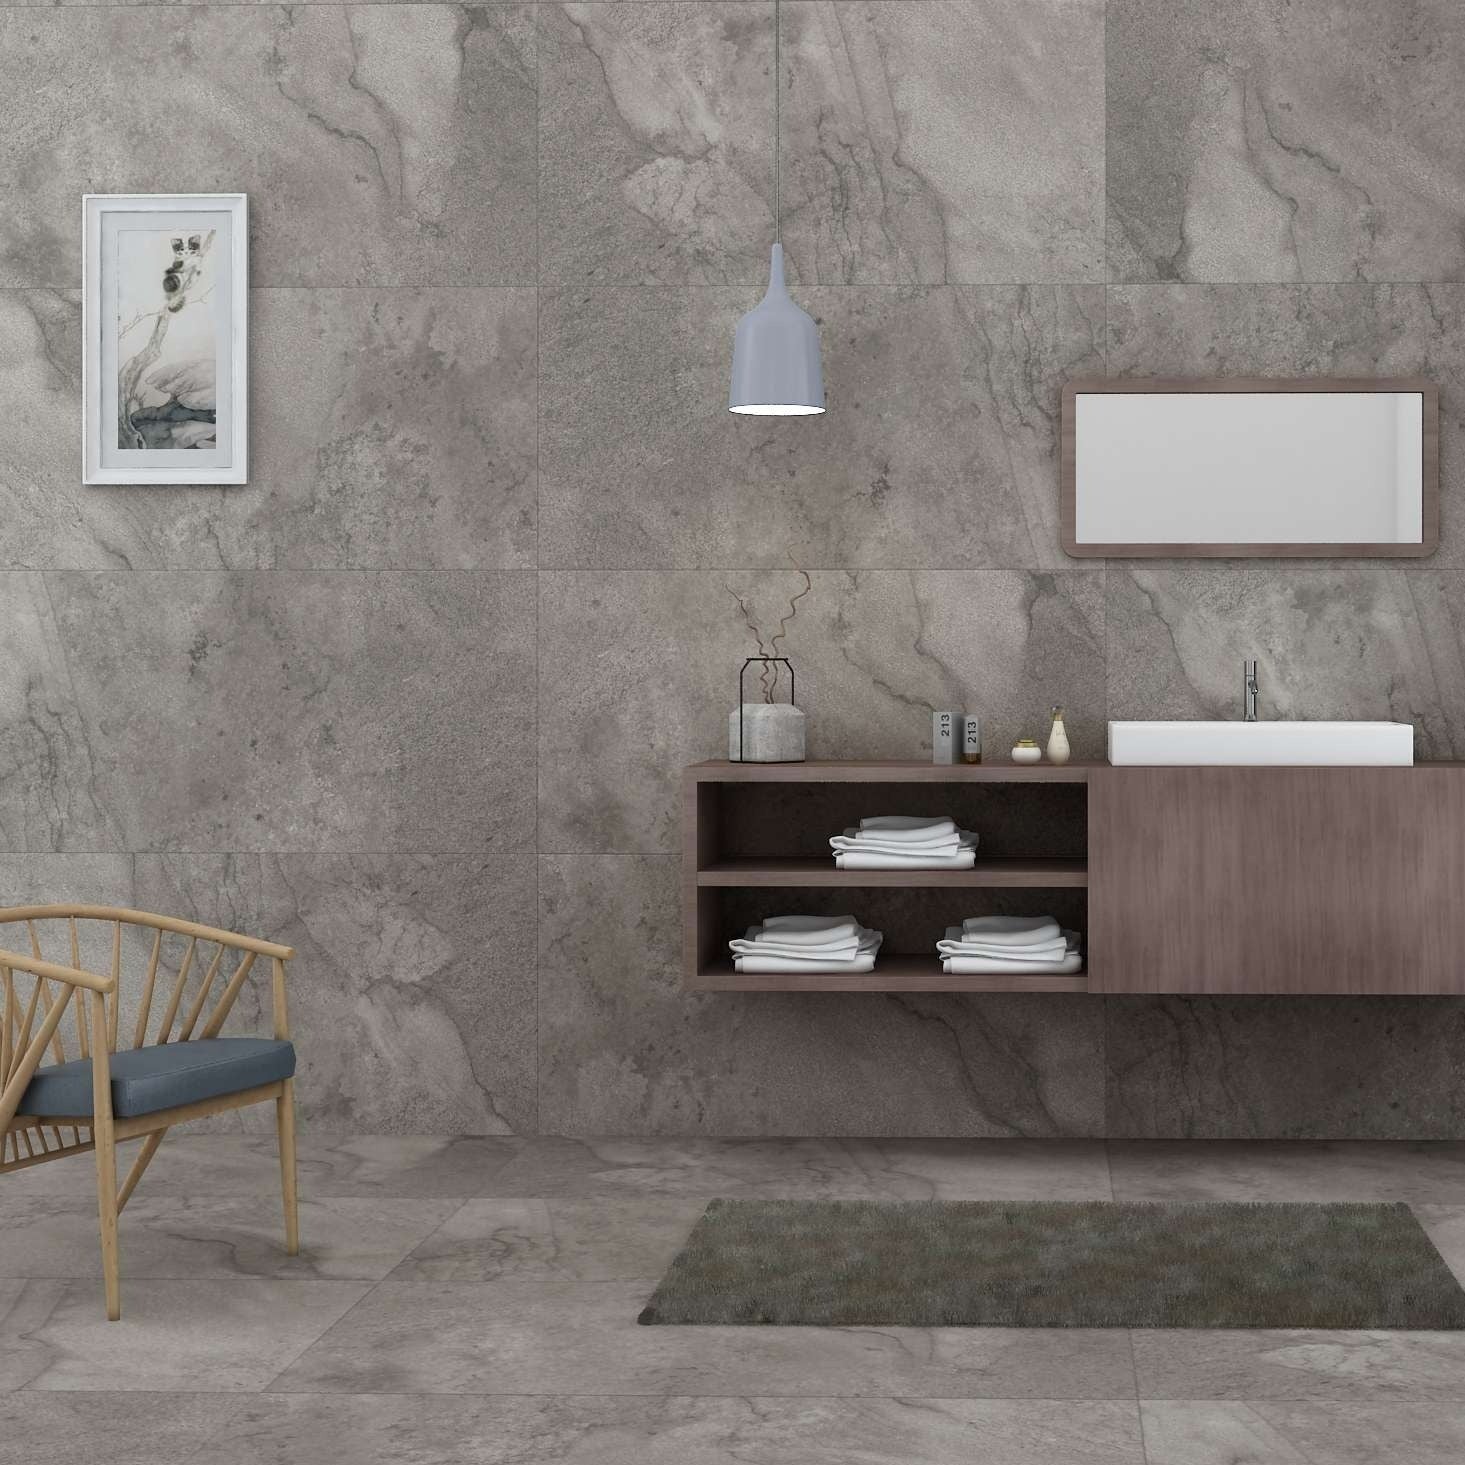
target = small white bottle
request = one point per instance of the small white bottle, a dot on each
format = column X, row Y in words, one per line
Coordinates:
column 945, row 737
column 1058, row 750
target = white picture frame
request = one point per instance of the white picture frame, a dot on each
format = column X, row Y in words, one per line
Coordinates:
column 165, row 388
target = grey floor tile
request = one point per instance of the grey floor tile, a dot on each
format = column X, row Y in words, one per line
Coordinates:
column 201, row 1239
column 554, row 1240
column 122, row 1429
column 1300, row 1365
column 185, row 1337
column 223, row 1166
column 1303, row 1170
column 388, row 1429
column 554, row 1338
column 1211, row 1432
column 1003, row 1169
column 1445, row 1226
column 806, row 1168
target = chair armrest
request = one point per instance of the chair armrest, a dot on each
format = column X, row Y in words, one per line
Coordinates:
column 38, row 968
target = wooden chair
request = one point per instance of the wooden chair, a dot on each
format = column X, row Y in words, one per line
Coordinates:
column 106, row 1095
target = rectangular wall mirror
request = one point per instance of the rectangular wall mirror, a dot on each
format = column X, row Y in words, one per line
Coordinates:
column 1250, row 467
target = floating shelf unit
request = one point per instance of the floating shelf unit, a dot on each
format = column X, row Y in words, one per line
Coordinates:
column 751, row 828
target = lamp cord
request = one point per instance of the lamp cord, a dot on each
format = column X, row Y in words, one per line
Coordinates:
column 777, row 121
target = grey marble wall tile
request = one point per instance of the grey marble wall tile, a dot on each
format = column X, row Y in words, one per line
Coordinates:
column 1308, row 330
column 273, row 711
column 945, row 144
column 638, row 672
column 381, row 144
column 412, row 992
column 1284, row 1068
column 939, row 449
column 34, row 879
column 656, row 143
column 1339, row 642
column 411, row 997
column 396, row 430
column 390, row 429
column 50, row 797
column 1277, row 140
column 623, row 1049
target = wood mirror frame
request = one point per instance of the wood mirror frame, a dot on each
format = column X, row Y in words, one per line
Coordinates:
column 1429, row 481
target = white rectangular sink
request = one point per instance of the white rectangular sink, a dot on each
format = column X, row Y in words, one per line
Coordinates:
column 1262, row 744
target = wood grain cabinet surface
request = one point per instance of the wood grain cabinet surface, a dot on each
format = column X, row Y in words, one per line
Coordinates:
column 1277, row 880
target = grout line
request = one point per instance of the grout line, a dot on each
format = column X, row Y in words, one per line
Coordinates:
column 295, row 1358
column 538, row 595
column 1139, row 1407
column 1318, row 565
column 694, row 286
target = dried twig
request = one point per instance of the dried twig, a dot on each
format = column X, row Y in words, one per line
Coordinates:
column 768, row 674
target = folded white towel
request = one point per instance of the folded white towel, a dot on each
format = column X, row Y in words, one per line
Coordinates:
column 963, row 859
column 767, row 965
column 810, row 930
column 1010, row 930
column 842, row 952
column 996, row 953
column 757, row 943
column 1070, row 961
column 947, row 844
column 954, row 944
column 902, row 827
column 982, row 966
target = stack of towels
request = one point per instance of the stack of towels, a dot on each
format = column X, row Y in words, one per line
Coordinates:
column 896, row 842
column 807, row 944
column 1032, row 944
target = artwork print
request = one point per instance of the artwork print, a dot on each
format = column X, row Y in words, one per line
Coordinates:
column 164, row 369
column 167, row 346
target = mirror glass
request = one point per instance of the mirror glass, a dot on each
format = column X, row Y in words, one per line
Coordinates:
column 1270, row 471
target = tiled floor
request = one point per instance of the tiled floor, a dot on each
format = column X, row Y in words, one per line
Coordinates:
column 474, row 1300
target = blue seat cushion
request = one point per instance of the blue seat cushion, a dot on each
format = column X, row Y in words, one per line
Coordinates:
column 145, row 1080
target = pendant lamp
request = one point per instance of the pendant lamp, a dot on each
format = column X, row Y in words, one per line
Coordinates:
column 775, row 371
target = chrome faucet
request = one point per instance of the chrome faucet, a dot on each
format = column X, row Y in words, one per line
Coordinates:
column 1248, row 690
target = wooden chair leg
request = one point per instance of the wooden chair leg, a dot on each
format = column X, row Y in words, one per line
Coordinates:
column 102, row 1133
column 285, row 1124
column 143, row 1160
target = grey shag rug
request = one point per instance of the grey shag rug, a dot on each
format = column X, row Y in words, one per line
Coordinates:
column 1059, row 1264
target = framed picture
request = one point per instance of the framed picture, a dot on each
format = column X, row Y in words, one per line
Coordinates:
column 164, row 306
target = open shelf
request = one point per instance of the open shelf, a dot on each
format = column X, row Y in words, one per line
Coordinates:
column 1008, row 872
column 752, row 829
column 893, row 973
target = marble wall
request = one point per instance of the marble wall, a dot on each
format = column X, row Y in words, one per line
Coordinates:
column 415, row 699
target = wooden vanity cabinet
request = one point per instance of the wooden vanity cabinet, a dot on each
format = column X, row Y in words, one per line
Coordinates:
column 1277, row 880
